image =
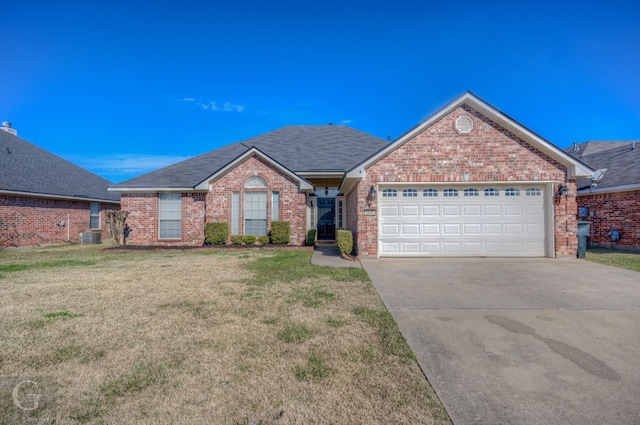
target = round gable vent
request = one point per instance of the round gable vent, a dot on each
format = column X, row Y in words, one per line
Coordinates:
column 464, row 124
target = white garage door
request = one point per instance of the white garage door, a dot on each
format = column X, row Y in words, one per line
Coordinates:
column 462, row 221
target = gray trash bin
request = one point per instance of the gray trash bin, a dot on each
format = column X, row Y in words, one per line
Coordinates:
column 583, row 234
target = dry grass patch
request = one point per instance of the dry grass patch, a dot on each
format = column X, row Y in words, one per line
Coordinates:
column 229, row 338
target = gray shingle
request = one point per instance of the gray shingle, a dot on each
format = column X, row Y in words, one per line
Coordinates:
column 25, row 167
column 298, row 148
column 620, row 159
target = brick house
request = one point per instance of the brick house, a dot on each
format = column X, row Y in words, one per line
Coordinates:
column 45, row 199
column 610, row 201
column 468, row 181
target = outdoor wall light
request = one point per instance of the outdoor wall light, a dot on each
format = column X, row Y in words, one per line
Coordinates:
column 372, row 192
column 563, row 190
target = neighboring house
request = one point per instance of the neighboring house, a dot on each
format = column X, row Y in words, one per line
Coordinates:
column 468, row 181
column 611, row 201
column 45, row 199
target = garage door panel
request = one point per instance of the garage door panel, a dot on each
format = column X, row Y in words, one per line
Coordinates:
column 451, row 210
column 390, row 211
column 410, row 210
column 465, row 225
column 410, row 229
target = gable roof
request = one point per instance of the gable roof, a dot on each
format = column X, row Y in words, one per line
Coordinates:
column 26, row 169
column 621, row 158
column 298, row 149
column 575, row 168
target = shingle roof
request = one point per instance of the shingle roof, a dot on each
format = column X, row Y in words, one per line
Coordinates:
column 620, row 158
column 298, row 148
column 27, row 168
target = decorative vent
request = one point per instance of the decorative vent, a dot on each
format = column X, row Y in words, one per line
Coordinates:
column 464, row 124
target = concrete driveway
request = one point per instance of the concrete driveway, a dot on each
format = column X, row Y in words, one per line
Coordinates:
column 520, row 341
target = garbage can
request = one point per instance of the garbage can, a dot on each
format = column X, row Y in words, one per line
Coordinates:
column 583, row 234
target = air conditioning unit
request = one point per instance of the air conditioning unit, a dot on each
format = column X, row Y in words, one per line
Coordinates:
column 90, row 237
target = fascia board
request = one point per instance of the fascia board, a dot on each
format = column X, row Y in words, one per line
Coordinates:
column 152, row 189
column 51, row 196
column 204, row 185
column 623, row 188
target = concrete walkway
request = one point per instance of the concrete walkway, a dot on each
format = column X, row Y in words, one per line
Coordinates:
column 520, row 341
column 329, row 255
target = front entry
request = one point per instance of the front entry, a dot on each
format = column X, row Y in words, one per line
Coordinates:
column 326, row 218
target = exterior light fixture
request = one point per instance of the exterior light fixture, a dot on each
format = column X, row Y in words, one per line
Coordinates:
column 372, row 192
column 563, row 190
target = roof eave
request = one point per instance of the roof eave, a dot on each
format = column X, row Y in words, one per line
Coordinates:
column 303, row 184
column 621, row 188
column 54, row 196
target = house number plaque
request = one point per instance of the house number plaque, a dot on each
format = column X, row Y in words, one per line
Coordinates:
column 369, row 212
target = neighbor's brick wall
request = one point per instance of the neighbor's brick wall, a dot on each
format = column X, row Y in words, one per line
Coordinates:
column 29, row 221
column 142, row 221
column 619, row 209
column 292, row 202
column 439, row 154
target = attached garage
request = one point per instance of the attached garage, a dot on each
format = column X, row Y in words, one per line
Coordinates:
column 465, row 220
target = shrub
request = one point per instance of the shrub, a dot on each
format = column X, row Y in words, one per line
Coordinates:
column 280, row 232
column 345, row 241
column 311, row 237
column 264, row 240
column 216, row 233
column 249, row 239
column 237, row 239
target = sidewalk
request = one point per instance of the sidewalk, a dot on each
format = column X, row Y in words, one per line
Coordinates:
column 329, row 255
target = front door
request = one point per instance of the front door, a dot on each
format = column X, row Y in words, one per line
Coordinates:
column 326, row 218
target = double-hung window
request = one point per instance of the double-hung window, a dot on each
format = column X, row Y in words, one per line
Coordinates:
column 94, row 217
column 170, row 215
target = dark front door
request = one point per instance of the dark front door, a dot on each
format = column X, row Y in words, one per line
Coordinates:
column 326, row 218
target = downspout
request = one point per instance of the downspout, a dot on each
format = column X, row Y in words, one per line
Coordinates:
column 68, row 227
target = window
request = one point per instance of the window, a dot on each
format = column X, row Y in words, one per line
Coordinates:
column 340, row 213
column 430, row 192
column 275, row 206
column 409, row 193
column 389, row 193
column 450, row 192
column 471, row 192
column 94, row 217
column 255, row 213
column 491, row 192
column 533, row 191
column 512, row 192
column 170, row 215
column 235, row 213
column 255, row 183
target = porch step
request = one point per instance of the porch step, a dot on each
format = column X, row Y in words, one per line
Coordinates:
column 325, row 242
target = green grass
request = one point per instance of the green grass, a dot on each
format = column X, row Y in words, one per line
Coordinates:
column 623, row 259
column 316, row 369
column 45, row 265
column 295, row 334
column 61, row 314
column 392, row 341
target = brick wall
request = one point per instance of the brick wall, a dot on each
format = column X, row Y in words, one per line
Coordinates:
column 215, row 205
column 614, row 210
column 29, row 221
column 439, row 154
column 142, row 221
column 292, row 202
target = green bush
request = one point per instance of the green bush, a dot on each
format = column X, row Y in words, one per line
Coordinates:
column 249, row 239
column 311, row 237
column 345, row 241
column 280, row 232
column 264, row 240
column 237, row 239
column 216, row 233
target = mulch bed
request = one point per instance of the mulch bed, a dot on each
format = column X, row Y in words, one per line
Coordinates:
column 270, row 247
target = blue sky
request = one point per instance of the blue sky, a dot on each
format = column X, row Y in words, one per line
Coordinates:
column 123, row 88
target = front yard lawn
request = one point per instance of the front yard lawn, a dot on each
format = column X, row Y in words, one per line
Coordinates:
column 624, row 259
column 204, row 338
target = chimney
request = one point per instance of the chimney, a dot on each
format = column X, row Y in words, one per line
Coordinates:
column 6, row 126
